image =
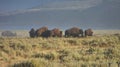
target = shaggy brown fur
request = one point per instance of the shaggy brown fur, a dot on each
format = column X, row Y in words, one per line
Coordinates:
column 74, row 32
column 56, row 32
column 40, row 31
column 88, row 32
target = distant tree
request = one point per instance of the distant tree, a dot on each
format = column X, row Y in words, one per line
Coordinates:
column 8, row 34
column 32, row 33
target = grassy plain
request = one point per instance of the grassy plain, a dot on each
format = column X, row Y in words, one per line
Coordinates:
column 95, row 51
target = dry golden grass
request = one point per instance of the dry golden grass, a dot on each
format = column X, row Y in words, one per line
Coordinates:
column 60, row 52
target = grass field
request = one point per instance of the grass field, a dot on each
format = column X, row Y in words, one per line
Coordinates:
column 95, row 51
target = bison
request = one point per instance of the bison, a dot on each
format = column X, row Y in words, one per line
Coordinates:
column 46, row 34
column 52, row 33
column 88, row 32
column 56, row 32
column 74, row 32
column 40, row 31
column 32, row 33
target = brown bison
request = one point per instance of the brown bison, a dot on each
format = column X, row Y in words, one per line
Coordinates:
column 88, row 32
column 52, row 33
column 32, row 33
column 47, row 34
column 56, row 32
column 40, row 31
column 74, row 32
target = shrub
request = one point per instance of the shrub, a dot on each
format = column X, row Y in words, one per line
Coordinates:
column 50, row 56
column 23, row 64
column 108, row 53
column 90, row 51
column 8, row 34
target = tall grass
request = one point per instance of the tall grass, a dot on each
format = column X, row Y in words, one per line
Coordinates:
column 92, row 51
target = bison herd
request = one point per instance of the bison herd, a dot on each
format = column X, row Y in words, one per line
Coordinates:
column 72, row 32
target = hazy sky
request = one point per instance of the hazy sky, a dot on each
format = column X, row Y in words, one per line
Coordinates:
column 18, row 5
column 25, row 14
